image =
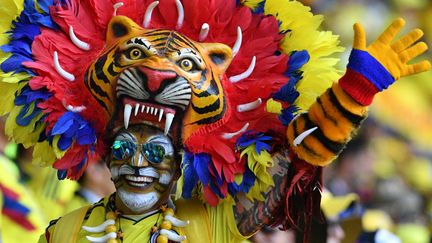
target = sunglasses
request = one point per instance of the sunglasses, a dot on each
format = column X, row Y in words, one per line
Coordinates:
column 153, row 152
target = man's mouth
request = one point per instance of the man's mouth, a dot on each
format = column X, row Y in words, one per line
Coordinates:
column 144, row 112
column 139, row 181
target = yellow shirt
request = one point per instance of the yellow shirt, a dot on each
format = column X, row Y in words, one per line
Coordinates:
column 207, row 224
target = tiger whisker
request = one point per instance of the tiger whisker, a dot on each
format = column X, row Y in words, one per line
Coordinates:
column 176, row 92
column 179, row 97
column 174, row 87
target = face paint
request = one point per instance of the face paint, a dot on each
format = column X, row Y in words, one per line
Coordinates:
column 142, row 167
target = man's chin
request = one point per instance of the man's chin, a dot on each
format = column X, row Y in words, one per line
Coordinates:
column 138, row 203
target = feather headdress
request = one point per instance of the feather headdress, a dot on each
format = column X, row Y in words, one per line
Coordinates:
column 279, row 57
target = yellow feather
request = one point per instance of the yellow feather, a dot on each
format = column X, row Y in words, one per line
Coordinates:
column 320, row 72
column 58, row 153
column 273, row 106
column 9, row 11
column 258, row 164
column 27, row 135
column 251, row 3
column 43, row 154
column 7, row 98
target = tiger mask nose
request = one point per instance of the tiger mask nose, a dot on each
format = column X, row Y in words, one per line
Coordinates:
column 156, row 77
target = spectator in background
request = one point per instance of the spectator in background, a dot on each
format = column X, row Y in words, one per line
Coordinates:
column 94, row 184
column 20, row 218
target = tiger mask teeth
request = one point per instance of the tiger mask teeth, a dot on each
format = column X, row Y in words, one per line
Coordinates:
column 144, row 112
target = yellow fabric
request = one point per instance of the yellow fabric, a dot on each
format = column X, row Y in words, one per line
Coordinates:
column 75, row 203
column 199, row 223
column 394, row 57
column 67, row 232
column 207, row 224
column 10, row 231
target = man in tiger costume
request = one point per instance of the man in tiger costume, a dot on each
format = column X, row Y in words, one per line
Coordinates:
column 165, row 108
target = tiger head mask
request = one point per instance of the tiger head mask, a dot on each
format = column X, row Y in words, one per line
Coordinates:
column 159, row 77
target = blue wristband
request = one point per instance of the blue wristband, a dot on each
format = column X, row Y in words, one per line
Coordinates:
column 365, row 64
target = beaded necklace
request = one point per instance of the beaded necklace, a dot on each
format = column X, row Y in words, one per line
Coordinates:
column 159, row 233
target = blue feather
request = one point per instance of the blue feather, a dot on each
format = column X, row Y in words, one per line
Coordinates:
column 85, row 136
column 287, row 93
column 287, row 115
column 219, row 180
column 259, row 139
column 25, row 116
column 61, row 174
column 45, row 4
column 64, row 143
column 259, row 9
column 25, row 29
column 63, row 124
column 27, row 96
column 297, row 60
column 13, row 64
column 71, row 126
column 201, row 166
column 247, row 182
column 260, row 146
column 189, row 175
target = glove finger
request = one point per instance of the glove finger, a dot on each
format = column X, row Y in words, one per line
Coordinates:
column 359, row 37
column 388, row 35
column 407, row 40
column 416, row 68
column 413, row 52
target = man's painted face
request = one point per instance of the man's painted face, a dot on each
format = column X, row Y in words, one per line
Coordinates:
column 142, row 167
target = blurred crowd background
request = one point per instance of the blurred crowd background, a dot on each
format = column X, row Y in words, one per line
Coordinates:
column 379, row 190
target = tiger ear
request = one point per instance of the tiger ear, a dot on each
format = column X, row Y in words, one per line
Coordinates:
column 120, row 26
column 220, row 54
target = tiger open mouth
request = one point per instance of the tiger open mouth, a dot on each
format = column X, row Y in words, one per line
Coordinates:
column 157, row 107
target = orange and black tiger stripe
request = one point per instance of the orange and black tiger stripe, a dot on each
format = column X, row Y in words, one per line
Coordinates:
column 161, row 50
column 337, row 116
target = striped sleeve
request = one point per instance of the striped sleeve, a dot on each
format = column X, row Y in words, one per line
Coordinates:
column 335, row 115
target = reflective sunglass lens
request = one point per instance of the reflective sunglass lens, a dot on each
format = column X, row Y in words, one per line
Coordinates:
column 153, row 152
column 122, row 150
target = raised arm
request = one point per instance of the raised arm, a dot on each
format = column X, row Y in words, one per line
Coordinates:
column 318, row 136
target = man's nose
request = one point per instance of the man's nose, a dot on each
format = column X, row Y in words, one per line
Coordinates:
column 138, row 160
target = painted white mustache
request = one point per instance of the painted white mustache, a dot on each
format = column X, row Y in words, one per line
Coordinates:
column 117, row 171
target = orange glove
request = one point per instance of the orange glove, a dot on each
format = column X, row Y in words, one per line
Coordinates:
column 373, row 68
column 394, row 57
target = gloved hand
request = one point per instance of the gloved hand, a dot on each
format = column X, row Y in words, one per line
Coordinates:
column 374, row 68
